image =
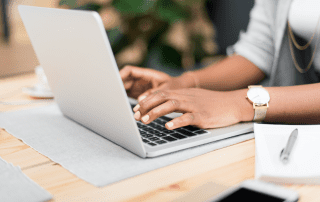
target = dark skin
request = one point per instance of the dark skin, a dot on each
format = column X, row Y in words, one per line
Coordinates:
column 194, row 104
column 221, row 100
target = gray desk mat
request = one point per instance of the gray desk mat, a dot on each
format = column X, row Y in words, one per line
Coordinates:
column 86, row 154
column 16, row 186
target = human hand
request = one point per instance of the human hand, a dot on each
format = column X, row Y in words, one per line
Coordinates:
column 141, row 82
column 201, row 108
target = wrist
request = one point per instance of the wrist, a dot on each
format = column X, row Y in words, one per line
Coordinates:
column 189, row 80
column 245, row 107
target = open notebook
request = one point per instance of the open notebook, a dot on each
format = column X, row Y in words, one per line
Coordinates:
column 304, row 164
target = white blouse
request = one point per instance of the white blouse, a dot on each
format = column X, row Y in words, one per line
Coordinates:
column 303, row 18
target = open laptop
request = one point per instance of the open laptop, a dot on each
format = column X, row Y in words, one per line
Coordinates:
column 74, row 51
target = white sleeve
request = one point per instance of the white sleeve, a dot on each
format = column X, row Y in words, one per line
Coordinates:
column 256, row 44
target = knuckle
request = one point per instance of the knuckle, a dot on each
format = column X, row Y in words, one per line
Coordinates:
column 162, row 94
column 175, row 103
column 156, row 111
column 127, row 67
column 143, row 102
column 143, row 105
column 190, row 117
column 200, row 123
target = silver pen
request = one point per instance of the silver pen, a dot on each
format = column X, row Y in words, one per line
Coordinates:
column 285, row 153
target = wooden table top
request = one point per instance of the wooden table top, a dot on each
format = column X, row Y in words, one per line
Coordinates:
column 228, row 166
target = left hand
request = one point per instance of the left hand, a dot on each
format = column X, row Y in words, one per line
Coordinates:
column 201, row 108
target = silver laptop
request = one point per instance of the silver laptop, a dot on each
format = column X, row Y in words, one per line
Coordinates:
column 74, row 51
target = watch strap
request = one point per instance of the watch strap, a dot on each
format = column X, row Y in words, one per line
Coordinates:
column 260, row 113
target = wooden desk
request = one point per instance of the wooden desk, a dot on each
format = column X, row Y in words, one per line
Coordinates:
column 228, row 166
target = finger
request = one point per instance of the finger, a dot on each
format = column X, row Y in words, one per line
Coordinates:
column 154, row 100
column 164, row 109
column 184, row 120
column 132, row 72
column 125, row 72
column 149, row 92
column 141, row 111
column 145, row 94
column 127, row 84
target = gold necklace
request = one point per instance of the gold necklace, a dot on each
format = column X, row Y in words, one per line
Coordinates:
column 293, row 40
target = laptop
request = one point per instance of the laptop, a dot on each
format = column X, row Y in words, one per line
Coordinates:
column 75, row 53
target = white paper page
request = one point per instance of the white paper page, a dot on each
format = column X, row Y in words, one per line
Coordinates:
column 304, row 159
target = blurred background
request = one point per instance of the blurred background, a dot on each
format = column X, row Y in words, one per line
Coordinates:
column 172, row 36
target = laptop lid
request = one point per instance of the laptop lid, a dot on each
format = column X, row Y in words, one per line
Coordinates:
column 74, row 51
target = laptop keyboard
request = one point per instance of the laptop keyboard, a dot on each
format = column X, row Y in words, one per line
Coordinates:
column 155, row 133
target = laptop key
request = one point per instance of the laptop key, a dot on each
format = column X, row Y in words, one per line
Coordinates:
column 161, row 135
column 152, row 144
column 145, row 140
column 185, row 132
column 161, row 142
column 178, row 136
column 165, row 118
column 164, row 130
column 158, row 127
column 148, row 135
column 160, row 123
column 168, row 138
column 152, row 131
column 190, row 128
column 154, row 139
column 200, row 132
column 144, row 135
column 152, row 125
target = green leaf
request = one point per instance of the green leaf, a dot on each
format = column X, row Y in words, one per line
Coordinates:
column 70, row 3
column 169, row 10
column 90, row 7
column 133, row 6
column 117, row 40
column 164, row 58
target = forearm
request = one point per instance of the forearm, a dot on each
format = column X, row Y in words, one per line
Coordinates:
column 290, row 105
column 232, row 73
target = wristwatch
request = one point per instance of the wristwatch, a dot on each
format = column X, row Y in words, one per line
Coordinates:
column 259, row 97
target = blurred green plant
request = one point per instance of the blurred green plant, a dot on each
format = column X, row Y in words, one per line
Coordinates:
column 149, row 21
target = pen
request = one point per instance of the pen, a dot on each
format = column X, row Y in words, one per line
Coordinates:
column 285, row 153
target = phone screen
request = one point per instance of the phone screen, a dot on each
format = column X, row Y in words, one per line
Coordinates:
column 243, row 194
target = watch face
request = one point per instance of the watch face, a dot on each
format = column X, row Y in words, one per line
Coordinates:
column 258, row 95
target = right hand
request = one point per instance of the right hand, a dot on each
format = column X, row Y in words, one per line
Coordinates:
column 140, row 82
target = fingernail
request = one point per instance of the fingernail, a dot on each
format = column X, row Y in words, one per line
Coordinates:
column 141, row 98
column 136, row 108
column 169, row 124
column 137, row 115
column 145, row 118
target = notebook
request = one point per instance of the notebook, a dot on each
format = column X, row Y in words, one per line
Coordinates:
column 304, row 163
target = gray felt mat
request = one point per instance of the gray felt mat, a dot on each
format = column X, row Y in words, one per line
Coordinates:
column 86, row 154
column 16, row 186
